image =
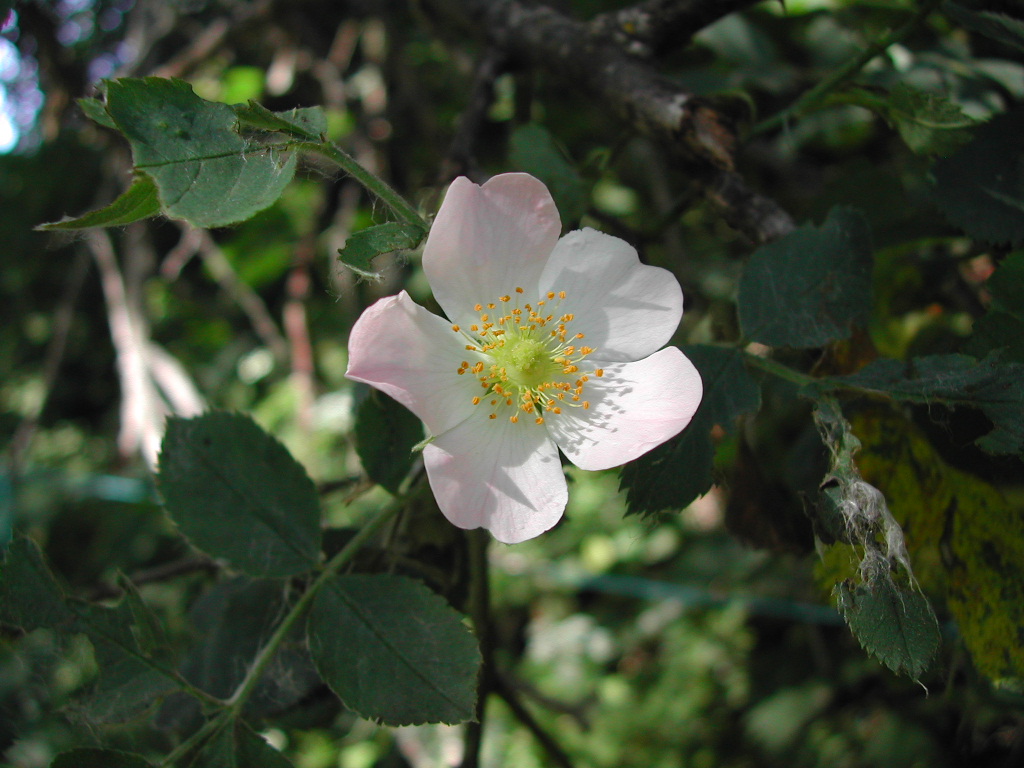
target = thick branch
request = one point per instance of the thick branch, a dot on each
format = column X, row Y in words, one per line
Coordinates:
column 654, row 105
column 657, row 27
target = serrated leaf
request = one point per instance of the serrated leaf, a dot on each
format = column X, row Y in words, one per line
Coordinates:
column 386, row 433
column 237, row 493
column 98, row 758
column 895, row 624
column 990, row 385
column 1002, row 328
column 236, row 746
column 362, row 246
column 533, row 149
column 131, row 678
column 95, row 110
column 678, row 471
column 138, row 202
column 981, row 188
column 204, row 170
column 810, row 287
column 307, row 123
column 966, row 542
column 929, row 123
column 394, row 651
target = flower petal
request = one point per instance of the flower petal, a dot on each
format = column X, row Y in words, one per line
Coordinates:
column 497, row 475
column 634, row 407
column 485, row 241
column 412, row 354
column 626, row 309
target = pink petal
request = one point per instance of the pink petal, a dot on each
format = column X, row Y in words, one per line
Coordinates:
column 634, row 407
column 411, row 354
column 626, row 309
column 486, row 241
column 496, row 475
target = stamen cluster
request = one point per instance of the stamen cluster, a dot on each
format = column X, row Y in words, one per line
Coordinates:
column 529, row 359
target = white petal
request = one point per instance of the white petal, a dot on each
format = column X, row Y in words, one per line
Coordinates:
column 626, row 309
column 413, row 355
column 496, row 475
column 486, row 241
column 634, row 407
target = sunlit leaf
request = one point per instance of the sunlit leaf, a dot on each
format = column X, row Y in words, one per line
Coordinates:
column 394, row 651
column 205, row 171
column 237, row 493
column 308, row 123
column 811, row 286
column 362, row 246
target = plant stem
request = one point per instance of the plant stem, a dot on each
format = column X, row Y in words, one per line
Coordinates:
column 374, row 184
column 844, row 73
column 336, row 563
column 778, row 370
column 480, row 610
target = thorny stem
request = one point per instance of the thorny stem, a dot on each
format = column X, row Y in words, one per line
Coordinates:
column 233, row 706
column 377, row 186
column 480, row 609
column 814, row 95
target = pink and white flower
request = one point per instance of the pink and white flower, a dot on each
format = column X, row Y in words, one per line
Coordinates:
column 548, row 344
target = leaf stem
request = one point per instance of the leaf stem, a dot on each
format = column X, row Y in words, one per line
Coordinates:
column 779, row 370
column 376, row 185
column 335, row 564
column 814, row 95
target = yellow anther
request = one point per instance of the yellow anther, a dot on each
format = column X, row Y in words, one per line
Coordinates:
column 471, row 348
column 514, row 418
column 539, row 420
column 456, row 328
column 551, row 295
column 506, row 298
column 519, row 290
column 476, row 401
column 561, row 294
column 599, row 372
column 586, row 405
column 493, row 416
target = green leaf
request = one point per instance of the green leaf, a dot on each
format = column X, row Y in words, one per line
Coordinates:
column 123, row 636
column 96, row 111
column 362, row 246
column 678, row 471
column 307, row 123
column 386, row 433
column 139, row 201
column 236, row 746
column 394, row 651
column 895, row 624
column 98, row 758
column 991, row 23
column 205, row 171
column 810, row 287
column 1002, row 328
column 238, row 494
column 929, row 123
column 991, row 385
column 533, row 149
column 981, row 188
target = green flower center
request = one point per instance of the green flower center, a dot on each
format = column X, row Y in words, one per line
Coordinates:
column 527, row 358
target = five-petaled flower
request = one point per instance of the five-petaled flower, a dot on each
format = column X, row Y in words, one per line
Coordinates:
column 549, row 343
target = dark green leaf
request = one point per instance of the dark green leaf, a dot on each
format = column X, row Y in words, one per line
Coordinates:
column 810, row 287
column 394, row 651
column 361, row 247
column 677, row 472
column 991, row 23
column 133, row 676
column 981, row 187
column 206, row 173
column 236, row 746
column 237, row 493
column 96, row 111
column 1003, row 327
column 309, row 123
column 991, row 385
column 98, row 758
column 139, row 201
column 533, row 149
column 386, row 433
column 929, row 123
column 897, row 625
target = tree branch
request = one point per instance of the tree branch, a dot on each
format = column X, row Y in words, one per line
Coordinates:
column 692, row 129
column 656, row 27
